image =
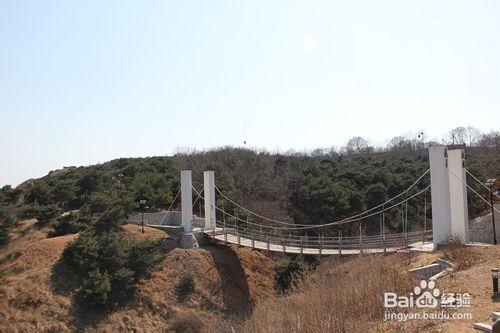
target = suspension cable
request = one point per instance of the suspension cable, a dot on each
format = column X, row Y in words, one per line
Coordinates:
column 318, row 226
column 486, row 201
column 173, row 201
column 170, row 207
column 253, row 213
column 474, row 191
column 349, row 218
column 198, row 195
column 480, row 182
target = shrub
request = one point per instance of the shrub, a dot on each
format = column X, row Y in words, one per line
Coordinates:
column 81, row 254
column 9, row 195
column 290, row 271
column 122, row 286
column 4, row 233
column 95, row 289
column 3, row 273
column 68, row 224
column 47, row 214
column 143, row 256
column 7, row 221
column 109, row 221
column 10, row 257
column 187, row 322
column 39, row 193
column 100, row 202
column 27, row 211
column 110, row 264
column 186, row 285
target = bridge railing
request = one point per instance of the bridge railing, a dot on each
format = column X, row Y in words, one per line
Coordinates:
column 373, row 243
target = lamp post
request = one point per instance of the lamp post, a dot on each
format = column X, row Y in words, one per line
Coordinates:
column 142, row 203
column 490, row 182
column 495, row 274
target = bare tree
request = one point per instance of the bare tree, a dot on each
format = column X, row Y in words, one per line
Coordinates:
column 472, row 135
column 357, row 144
column 491, row 140
column 457, row 136
column 402, row 143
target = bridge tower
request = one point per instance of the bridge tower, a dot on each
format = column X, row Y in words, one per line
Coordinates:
column 449, row 195
column 459, row 210
column 187, row 240
column 209, row 194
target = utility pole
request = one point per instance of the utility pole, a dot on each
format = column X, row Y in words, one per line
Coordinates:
column 490, row 183
column 142, row 203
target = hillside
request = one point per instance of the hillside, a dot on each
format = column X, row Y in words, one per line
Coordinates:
column 346, row 295
column 232, row 283
column 319, row 186
column 228, row 281
column 68, row 263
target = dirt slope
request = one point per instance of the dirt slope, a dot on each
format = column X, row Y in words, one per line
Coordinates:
column 28, row 301
column 347, row 295
column 473, row 278
column 229, row 280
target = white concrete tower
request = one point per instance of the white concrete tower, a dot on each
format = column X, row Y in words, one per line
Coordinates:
column 209, row 194
column 187, row 238
column 458, row 195
column 186, row 201
column 440, row 195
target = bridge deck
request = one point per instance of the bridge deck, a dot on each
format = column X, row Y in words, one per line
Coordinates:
column 413, row 241
column 349, row 245
column 260, row 245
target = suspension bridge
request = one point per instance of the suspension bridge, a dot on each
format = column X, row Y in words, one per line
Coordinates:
column 445, row 181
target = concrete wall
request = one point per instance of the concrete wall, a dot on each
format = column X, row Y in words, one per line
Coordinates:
column 481, row 228
column 173, row 218
column 426, row 272
column 163, row 218
column 198, row 222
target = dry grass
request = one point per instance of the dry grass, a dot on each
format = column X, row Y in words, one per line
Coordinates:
column 228, row 281
column 26, row 299
column 339, row 297
column 188, row 322
column 134, row 231
column 348, row 296
column 462, row 256
column 342, row 295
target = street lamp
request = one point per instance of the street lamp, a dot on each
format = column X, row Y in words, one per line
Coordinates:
column 495, row 274
column 142, row 203
column 490, row 183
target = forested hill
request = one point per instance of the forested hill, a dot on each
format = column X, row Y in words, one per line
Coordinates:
column 318, row 187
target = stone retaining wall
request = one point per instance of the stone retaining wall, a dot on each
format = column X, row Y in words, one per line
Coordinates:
column 481, row 228
column 429, row 271
column 425, row 272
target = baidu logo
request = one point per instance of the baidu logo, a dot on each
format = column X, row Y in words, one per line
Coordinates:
column 426, row 295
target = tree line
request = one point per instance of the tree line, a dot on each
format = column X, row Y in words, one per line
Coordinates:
column 313, row 187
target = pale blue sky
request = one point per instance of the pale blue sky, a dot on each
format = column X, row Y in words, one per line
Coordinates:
column 83, row 82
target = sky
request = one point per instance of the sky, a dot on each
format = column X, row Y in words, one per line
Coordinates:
column 84, row 82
